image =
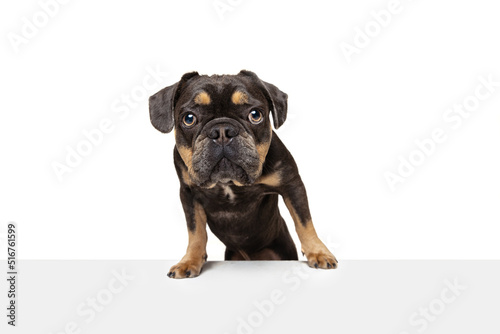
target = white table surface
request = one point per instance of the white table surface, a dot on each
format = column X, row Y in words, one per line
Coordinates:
column 389, row 297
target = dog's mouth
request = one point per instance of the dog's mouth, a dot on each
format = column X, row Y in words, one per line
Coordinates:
column 226, row 170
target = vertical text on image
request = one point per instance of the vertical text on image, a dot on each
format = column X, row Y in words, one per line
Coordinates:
column 12, row 274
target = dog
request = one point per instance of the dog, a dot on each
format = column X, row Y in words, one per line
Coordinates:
column 232, row 167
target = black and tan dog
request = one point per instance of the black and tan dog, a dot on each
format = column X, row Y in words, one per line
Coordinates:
column 232, row 167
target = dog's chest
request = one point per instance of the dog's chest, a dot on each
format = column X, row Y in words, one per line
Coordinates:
column 227, row 204
column 230, row 203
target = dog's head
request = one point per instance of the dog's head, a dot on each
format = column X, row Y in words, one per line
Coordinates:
column 222, row 124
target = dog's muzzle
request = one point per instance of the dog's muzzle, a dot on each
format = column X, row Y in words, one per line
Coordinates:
column 225, row 152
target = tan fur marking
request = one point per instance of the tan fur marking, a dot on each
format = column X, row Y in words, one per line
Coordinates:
column 239, row 98
column 202, row 98
column 262, row 149
column 186, row 155
column 307, row 234
column 196, row 253
column 198, row 237
column 273, row 180
column 186, row 178
column 210, row 186
column 318, row 255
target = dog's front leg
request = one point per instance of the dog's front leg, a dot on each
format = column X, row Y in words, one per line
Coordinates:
column 295, row 197
column 196, row 254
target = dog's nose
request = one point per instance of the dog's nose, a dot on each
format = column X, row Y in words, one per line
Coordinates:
column 222, row 134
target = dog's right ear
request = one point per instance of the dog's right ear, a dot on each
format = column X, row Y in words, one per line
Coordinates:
column 162, row 104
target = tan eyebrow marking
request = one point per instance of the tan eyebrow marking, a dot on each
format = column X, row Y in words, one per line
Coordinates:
column 202, row 98
column 239, row 97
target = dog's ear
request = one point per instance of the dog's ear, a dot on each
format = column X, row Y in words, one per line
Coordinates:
column 276, row 98
column 162, row 104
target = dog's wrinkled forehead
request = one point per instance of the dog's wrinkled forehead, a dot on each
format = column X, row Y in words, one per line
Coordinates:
column 219, row 92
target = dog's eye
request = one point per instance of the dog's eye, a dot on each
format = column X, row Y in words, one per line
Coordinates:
column 255, row 117
column 189, row 120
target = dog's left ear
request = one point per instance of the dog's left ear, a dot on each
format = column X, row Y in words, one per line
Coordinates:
column 162, row 104
column 276, row 98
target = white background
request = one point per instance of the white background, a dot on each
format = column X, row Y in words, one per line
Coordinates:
column 348, row 122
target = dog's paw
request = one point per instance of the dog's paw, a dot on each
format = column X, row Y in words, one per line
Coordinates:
column 321, row 259
column 186, row 269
